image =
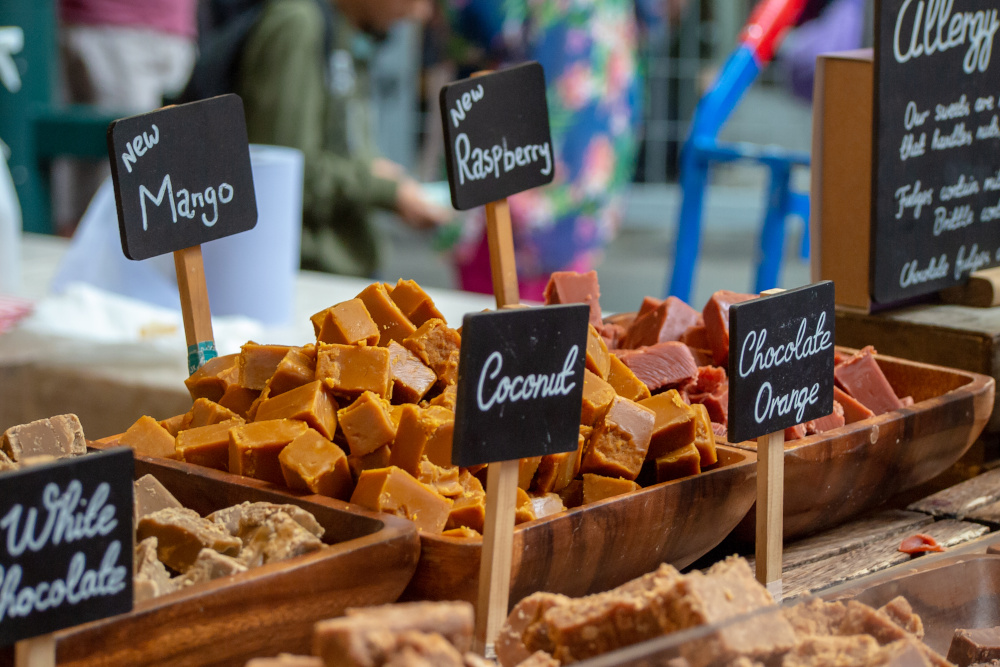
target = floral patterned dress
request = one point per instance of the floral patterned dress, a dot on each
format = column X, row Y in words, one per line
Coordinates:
column 588, row 49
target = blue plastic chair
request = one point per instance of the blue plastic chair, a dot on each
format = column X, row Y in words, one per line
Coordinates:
column 758, row 42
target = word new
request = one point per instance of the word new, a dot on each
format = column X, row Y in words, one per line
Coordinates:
column 184, row 203
column 138, row 147
column 464, row 104
column 522, row 387
column 940, row 30
column 487, row 161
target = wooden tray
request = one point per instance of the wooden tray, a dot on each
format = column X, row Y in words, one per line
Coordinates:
column 263, row 611
column 831, row 477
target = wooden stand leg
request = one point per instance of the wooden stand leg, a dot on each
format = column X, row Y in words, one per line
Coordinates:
column 194, row 306
column 36, row 652
column 495, row 561
column 770, row 510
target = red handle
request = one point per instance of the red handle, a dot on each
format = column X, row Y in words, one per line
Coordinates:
column 767, row 26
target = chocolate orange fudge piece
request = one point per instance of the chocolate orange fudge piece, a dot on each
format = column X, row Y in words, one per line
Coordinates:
column 573, row 287
column 598, row 360
column 367, row 424
column 311, row 403
column 437, row 345
column 257, row 363
column 181, row 534
column 599, row 487
column 411, row 378
column 619, row 442
column 624, row 381
column 679, row 463
column 311, row 462
column 395, row 491
column 675, row 424
column 704, row 437
column 597, row 398
column 213, row 378
column 414, row 302
column 392, row 323
column 254, row 447
column 205, row 412
column 206, row 445
column 147, row 437
column 60, row 436
column 350, row 370
column 296, row 368
column 346, row 323
column 423, row 432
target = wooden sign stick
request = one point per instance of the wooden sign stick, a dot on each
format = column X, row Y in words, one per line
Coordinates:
column 770, row 505
column 194, row 306
column 38, row 651
column 501, row 476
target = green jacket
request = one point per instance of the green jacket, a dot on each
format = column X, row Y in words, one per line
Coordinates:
column 297, row 95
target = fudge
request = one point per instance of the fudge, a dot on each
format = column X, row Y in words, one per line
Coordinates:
column 377, row 459
column 150, row 578
column 675, row 426
column 310, row 462
column 597, row 397
column 411, row 378
column 443, row 479
column 664, row 322
column 469, row 508
column 347, row 323
column 423, row 432
column 573, row 287
column 716, row 316
column 661, row 365
column 257, row 363
column 599, row 487
column 206, row 445
column 310, row 403
column 679, row 463
column 275, row 537
column 976, row 645
column 209, row 565
column 367, row 424
column 437, row 345
column 59, row 436
column 619, row 442
column 395, row 491
column 598, row 360
column 204, row 413
column 861, row 377
column 392, row 323
column 147, row 437
column 181, row 535
column 526, row 469
column 151, row 496
column 414, row 302
column 704, row 438
column 296, row 368
column 213, row 378
column 254, row 448
column 624, row 382
column 350, row 371
column 238, row 519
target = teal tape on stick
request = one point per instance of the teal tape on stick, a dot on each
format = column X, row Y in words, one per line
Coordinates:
column 199, row 353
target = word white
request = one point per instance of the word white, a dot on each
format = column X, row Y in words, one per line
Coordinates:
column 992, row 183
column 79, row 584
column 958, row 109
column 960, row 216
column 991, row 131
column 138, row 147
column 521, row 388
column 914, row 117
column 185, row 203
column 976, row 260
column 980, row 27
column 916, row 199
column 911, row 147
column 960, row 189
column 486, row 161
column 464, row 104
column 984, row 103
column 63, row 521
column 959, row 137
column 990, row 213
column 798, row 399
column 936, row 269
column 799, row 349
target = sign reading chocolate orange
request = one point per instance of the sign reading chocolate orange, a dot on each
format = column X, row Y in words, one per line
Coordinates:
column 496, row 135
column 780, row 361
column 520, row 383
column 65, row 543
column 182, row 176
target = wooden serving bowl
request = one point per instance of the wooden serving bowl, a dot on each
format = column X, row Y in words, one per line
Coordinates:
column 266, row 610
column 831, row 477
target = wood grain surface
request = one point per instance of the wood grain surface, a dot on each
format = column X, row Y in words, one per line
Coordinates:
column 966, row 499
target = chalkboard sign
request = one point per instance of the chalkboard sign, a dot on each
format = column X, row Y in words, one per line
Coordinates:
column 66, row 552
column 520, row 383
column 936, row 213
column 496, row 135
column 780, row 361
column 182, row 176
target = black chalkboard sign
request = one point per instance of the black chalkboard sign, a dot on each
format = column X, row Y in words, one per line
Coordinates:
column 496, row 135
column 66, row 551
column 182, row 176
column 780, row 361
column 520, row 383
column 936, row 191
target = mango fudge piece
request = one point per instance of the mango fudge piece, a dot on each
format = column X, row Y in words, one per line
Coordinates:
column 150, row 578
column 437, row 345
column 599, row 487
column 147, row 437
column 675, row 424
column 619, row 442
column 597, row 397
column 213, row 378
column 704, row 438
column 206, row 445
column 423, row 432
column 396, row 491
column 372, row 461
column 469, row 508
column 311, row 403
column 60, row 436
column 624, row 381
column 573, row 287
column 181, row 534
column 414, row 302
column 254, row 448
column 205, row 412
column 347, row 323
column 598, row 360
column 392, row 323
column 350, row 370
column 411, row 378
column 257, row 363
column 239, row 520
column 151, row 496
column 443, row 479
column 526, row 470
column 296, row 368
column 367, row 424
column 679, row 463
column 311, row 462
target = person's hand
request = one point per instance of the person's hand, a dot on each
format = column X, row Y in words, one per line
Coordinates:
column 416, row 210
column 387, row 169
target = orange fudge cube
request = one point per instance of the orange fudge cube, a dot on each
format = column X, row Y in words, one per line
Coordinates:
column 619, row 443
column 680, row 463
column 212, row 379
column 367, row 424
column 206, row 445
column 347, row 323
column 598, row 360
column 392, row 323
column 205, row 412
column 414, row 302
column 254, row 448
column 675, row 424
column 599, row 487
column 704, row 438
column 311, row 403
column 350, row 370
column 411, row 378
column 526, row 470
column 147, row 437
column 295, row 369
column 311, row 462
column 377, row 459
column 624, row 381
column 257, row 363
column 397, row 492
column 597, row 397
column 437, row 345
column 423, row 432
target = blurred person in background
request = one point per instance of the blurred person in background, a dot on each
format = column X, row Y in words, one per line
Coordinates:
column 302, row 69
column 121, row 56
column 823, row 26
column 589, row 51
